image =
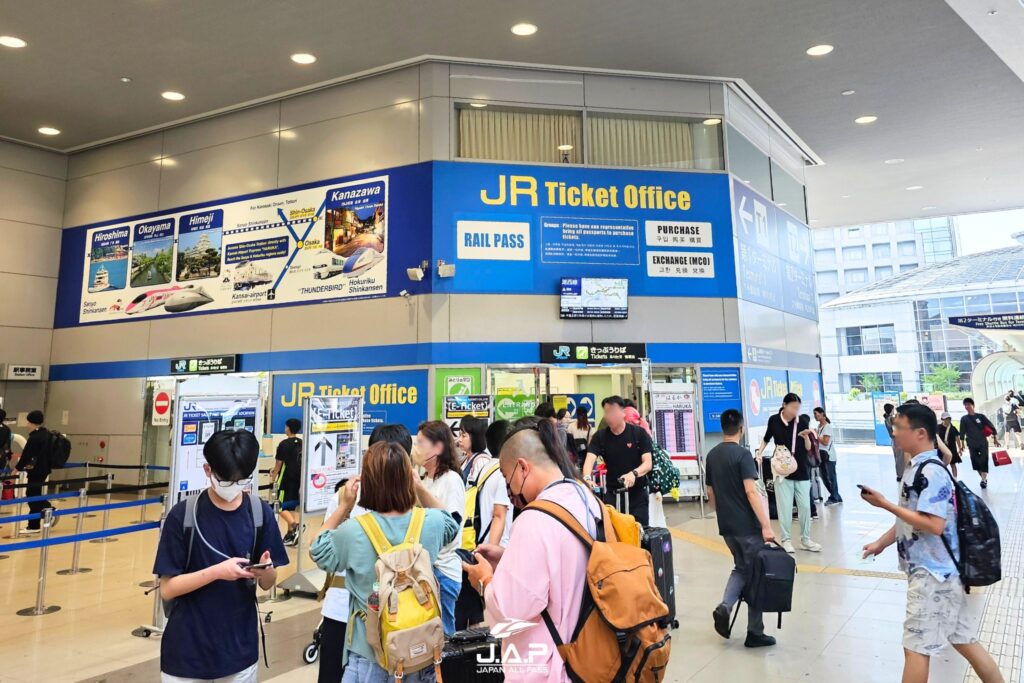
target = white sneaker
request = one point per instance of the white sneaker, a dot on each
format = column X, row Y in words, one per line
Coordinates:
column 809, row 545
column 26, row 530
column 788, row 547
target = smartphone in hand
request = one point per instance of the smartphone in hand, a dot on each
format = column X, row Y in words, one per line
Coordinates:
column 257, row 565
column 466, row 556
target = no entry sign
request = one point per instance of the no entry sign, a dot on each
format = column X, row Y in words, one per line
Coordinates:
column 161, row 408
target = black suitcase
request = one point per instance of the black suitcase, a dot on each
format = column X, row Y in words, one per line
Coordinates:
column 770, row 582
column 658, row 542
column 472, row 655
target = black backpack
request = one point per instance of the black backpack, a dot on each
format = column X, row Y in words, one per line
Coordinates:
column 59, row 450
column 980, row 562
column 770, row 578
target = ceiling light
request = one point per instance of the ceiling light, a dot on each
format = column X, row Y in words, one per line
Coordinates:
column 172, row 95
column 845, row 196
column 913, row 188
column 564, row 148
column 814, row 220
column 979, row 149
column 993, row 12
column 928, row 208
column 712, row 122
column 11, row 41
column 893, row 162
column 47, row 130
column 819, row 50
column 303, row 58
column 477, row 105
column 864, row 120
column 286, row 134
column 847, row 93
column 782, row 203
column 524, row 29
column 126, row 79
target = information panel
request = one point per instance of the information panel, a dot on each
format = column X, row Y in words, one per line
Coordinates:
column 720, row 390
column 594, row 298
column 674, row 428
column 466, row 405
column 333, row 449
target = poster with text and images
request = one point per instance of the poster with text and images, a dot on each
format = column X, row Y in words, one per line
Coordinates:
column 511, row 407
column 878, row 401
column 466, row 405
column 454, row 382
column 673, row 420
column 333, row 448
column 572, row 402
column 309, row 245
column 719, row 391
column 807, row 385
column 763, row 395
column 199, row 419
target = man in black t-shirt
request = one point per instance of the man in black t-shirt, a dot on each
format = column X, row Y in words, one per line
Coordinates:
column 972, row 430
column 287, row 473
column 626, row 450
column 742, row 521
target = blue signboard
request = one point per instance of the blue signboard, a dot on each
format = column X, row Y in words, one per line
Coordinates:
column 763, row 396
column 575, row 401
column 389, row 397
column 521, row 229
column 807, row 385
column 719, row 391
column 878, row 401
column 775, row 262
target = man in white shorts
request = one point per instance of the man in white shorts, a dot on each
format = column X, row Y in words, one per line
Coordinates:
column 925, row 523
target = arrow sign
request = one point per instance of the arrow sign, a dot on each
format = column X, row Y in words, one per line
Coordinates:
column 746, row 218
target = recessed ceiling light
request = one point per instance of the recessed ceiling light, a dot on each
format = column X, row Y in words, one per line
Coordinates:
column 819, row 50
column 126, row 79
column 893, row 162
column 847, row 93
column 11, row 41
column 864, row 120
column 993, row 12
column 47, row 130
column 712, row 122
column 303, row 58
column 782, row 203
column 979, row 149
column 928, row 208
column 477, row 105
column 564, row 148
column 914, row 188
column 286, row 134
column 844, row 196
column 524, row 29
column 172, row 95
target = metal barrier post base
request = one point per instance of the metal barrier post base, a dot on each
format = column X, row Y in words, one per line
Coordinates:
column 108, row 539
column 147, row 631
column 280, row 597
column 33, row 612
column 147, row 584
column 69, row 572
column 4, row 557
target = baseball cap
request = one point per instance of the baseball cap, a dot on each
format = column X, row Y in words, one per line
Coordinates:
column 946, row 416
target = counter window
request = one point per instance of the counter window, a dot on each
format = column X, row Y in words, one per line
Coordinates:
column 503, row 134
column 653, row 142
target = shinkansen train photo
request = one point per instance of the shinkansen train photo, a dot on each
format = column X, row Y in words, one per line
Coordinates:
column 174, row 299
column 327, row 264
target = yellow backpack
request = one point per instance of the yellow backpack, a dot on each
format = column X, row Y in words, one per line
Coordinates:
column 474, row 489
column 404, row 629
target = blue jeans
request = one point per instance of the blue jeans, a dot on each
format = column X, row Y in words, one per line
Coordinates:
column 362, row 670
column 449, row 595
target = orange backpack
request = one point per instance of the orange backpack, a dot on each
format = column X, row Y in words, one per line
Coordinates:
column 622, row 631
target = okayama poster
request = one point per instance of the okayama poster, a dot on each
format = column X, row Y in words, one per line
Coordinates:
column 310, row 245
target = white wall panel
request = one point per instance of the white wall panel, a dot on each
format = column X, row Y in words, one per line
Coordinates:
column 434, row 80
column 516, row 85
column 351, row 98
column 116, row 155
column 762, row 326
column 113, row 194
column 362, row 142
column 802, row 335
column 717, row 93
column 513, row 318
column 22, row 158
column 25, row 345
column 248, row 123
column 731, row 312
column 435, row 129
column 667, row 320
column 126, row 449
column 31, row 198
column 29, row 249
column 747, row 121
column 433, row 318
column 223, row 171
column 99, row 406
column 369, row 322
column 650, row 94
column 28, row 300
column 242, row 332
column 100, row 343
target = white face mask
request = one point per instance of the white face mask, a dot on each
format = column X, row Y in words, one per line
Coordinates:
column 228, row 493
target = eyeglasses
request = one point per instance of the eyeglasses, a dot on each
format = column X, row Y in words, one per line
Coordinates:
column 225, row 484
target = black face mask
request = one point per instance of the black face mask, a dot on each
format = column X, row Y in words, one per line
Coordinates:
column 518, row 499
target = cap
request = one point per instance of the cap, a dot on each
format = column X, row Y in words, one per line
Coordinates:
column 946, row 416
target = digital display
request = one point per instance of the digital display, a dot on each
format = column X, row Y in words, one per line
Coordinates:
column 588, row 298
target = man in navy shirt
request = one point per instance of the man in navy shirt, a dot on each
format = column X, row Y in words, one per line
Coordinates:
column 212, row 629
column 975, row 428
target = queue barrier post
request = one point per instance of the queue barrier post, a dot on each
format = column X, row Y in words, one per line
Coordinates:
column 76, row 553
column 88, row 515
column 106, row 514
column 143, row 481
column 159, row 618
column 273, row 595
column 22, row 480
column 39, row 609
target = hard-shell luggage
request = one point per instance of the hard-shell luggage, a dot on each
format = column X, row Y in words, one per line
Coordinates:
column 472, row 655
column 770, row 580
column 658, row 542
column 815, row 484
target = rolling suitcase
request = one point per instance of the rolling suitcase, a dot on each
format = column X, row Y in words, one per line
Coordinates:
column 658, row 542
column 472, row 655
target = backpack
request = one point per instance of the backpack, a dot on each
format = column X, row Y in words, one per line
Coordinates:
column 814, row 454
column 664, row 474
column 59, row 450
column 471, row 530
column 783, row 461
column 622, row 631
column 582, row 444
column 404, row 627
column 980, row 562
column 769, row 586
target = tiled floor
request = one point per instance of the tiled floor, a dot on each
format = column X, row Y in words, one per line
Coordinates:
column 845, row 627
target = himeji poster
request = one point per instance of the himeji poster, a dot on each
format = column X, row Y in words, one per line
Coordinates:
column 295, row 246
column 333, row 449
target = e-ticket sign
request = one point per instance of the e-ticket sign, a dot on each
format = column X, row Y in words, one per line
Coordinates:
column 199, row 418
column 333, row 427
column 466, row 405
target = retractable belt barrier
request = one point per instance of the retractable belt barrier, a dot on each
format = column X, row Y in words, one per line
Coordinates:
column 56, row 482
column 107, row 466
column 34, row 499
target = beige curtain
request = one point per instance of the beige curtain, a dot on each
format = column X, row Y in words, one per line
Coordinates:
column 520, row 135
column 639, row 142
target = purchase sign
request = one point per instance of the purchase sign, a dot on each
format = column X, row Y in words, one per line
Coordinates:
column 204, row 365
column 595, row 354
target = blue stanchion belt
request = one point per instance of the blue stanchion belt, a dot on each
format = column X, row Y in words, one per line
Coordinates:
column 33, row 499
column 88, row 536
column 21, row 518
column 101, row 508
column 158, row 467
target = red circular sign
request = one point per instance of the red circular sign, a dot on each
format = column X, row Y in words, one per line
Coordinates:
column 161, row 403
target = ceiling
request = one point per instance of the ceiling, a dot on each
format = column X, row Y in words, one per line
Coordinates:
column 947, row 102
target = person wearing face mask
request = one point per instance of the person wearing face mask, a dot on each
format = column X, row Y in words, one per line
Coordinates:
column 541, row 568
column 212, row 631
column 434, row 451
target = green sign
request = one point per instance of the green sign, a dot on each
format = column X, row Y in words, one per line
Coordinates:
column 454, row 382
column 512, row 407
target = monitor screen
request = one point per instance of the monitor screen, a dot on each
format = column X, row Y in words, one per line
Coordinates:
column 594, row 298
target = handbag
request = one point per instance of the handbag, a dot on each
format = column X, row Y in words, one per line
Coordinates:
column 1000, row 458
column 783, row 461
column 762, row 491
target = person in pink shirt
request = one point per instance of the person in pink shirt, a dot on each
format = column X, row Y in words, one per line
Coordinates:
column 544, row 566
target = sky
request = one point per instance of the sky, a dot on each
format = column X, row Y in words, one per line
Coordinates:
column 991, row 230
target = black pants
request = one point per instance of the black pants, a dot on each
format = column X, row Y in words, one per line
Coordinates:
column 469, row 608
column 332, row 651
column 639, row 504
column 35, row 488
column 979, row 456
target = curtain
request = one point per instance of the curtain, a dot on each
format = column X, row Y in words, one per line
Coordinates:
column 520, row 135
column 640, row 142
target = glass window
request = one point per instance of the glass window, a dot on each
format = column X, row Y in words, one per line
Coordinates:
column 883, row 272
column 874, row 339
column 854, row 232
column 828, row 281
column 952, row 305
column 907, row 267
column 881, row 250
column 880, row 229
column 521, row 135
column 856, row 276
column 823, row 237
column 905, row 227
column 652, row 142
column 978, row 303
column 788, row 192
column 748, row 163
column 907, row 248
column 927, row 309
column 855, row 253
column 1004, row 302
column 825, row 298
column 873, row 381
column 827, row 257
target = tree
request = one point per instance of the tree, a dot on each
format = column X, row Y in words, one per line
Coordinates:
column 871, row 383
column 943, row 378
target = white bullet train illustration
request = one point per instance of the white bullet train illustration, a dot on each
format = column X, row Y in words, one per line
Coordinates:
column 327, row 264
column 247, row 275
column 174, row 299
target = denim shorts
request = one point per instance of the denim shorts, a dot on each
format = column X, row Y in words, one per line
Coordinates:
column 362, row 670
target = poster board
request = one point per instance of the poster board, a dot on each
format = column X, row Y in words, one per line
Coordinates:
column 673, row 423
column 878, row 401
column 466, row 405
column 333, row 451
